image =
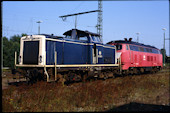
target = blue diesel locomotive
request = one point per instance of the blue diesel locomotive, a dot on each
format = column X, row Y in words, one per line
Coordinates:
column 77, row 56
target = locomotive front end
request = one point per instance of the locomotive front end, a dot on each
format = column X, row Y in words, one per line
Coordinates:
column 32, row 50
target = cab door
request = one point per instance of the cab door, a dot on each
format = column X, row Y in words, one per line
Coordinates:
column 128, row 53
column 131, row 55
column 95, row 54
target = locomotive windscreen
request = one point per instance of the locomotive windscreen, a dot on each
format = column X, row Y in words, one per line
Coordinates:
column 30, row 52
column 118, row 47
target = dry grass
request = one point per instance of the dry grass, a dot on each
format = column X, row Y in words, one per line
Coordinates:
column 90, row 96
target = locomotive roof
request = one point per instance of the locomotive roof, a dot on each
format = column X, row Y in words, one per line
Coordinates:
column 51, row 36
column 80, row 32
column 131, row 42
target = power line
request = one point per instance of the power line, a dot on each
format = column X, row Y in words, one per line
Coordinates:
column 79, row 13
column 75, row 14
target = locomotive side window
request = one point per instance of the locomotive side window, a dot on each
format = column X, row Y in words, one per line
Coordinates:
column 150, row 50
column 127, row 47
column 145, row 50
column 95, row 38
column 68, row 37
column 131, row 47
column 84, row 38
column 134, row 48
column 98, row 39
column 118, row 47
column 159, row 52
column 141, row 49
column 155, row 51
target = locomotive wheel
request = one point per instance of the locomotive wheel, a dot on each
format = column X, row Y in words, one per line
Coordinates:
column 72, row 76
column 101, row 75
column 125, row 72
column 110, row 74
column 131, row 72
column 34, row 75
column 154, row 70
column 105, row 77
column 142, row 70
column 31, row 75
column 135, row 71
column 41, row 75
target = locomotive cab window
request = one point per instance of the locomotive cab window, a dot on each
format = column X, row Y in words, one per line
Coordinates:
column 95, row 39
column 68, row 37
column 159, row 52
column 83, row 38
column 118, row 47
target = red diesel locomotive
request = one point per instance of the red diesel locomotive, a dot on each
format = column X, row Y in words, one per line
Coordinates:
column 136, row 57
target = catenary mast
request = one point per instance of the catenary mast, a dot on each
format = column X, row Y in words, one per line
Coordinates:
column 100, row 20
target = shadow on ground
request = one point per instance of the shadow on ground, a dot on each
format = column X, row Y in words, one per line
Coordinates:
column 140, row 107
column 18, row 83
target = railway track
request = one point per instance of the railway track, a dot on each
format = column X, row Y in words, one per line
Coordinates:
column 18, row 79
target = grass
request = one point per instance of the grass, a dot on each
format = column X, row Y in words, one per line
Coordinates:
column 90, row 96
column 6, row 70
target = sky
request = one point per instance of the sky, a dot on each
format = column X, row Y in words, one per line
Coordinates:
column 121, row 19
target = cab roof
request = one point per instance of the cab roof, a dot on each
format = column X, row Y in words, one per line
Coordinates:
column 80, row 32
column 51, row 36
column 130, row 42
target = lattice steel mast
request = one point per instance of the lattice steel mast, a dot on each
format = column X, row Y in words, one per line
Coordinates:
column 100, row 20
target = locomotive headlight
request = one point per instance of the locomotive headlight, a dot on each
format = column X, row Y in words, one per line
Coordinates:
column 40, row 58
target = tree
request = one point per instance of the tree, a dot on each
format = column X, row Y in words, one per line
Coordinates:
column 166, row 57
column 6, row 51
column 9, row 48
column 15, row 38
